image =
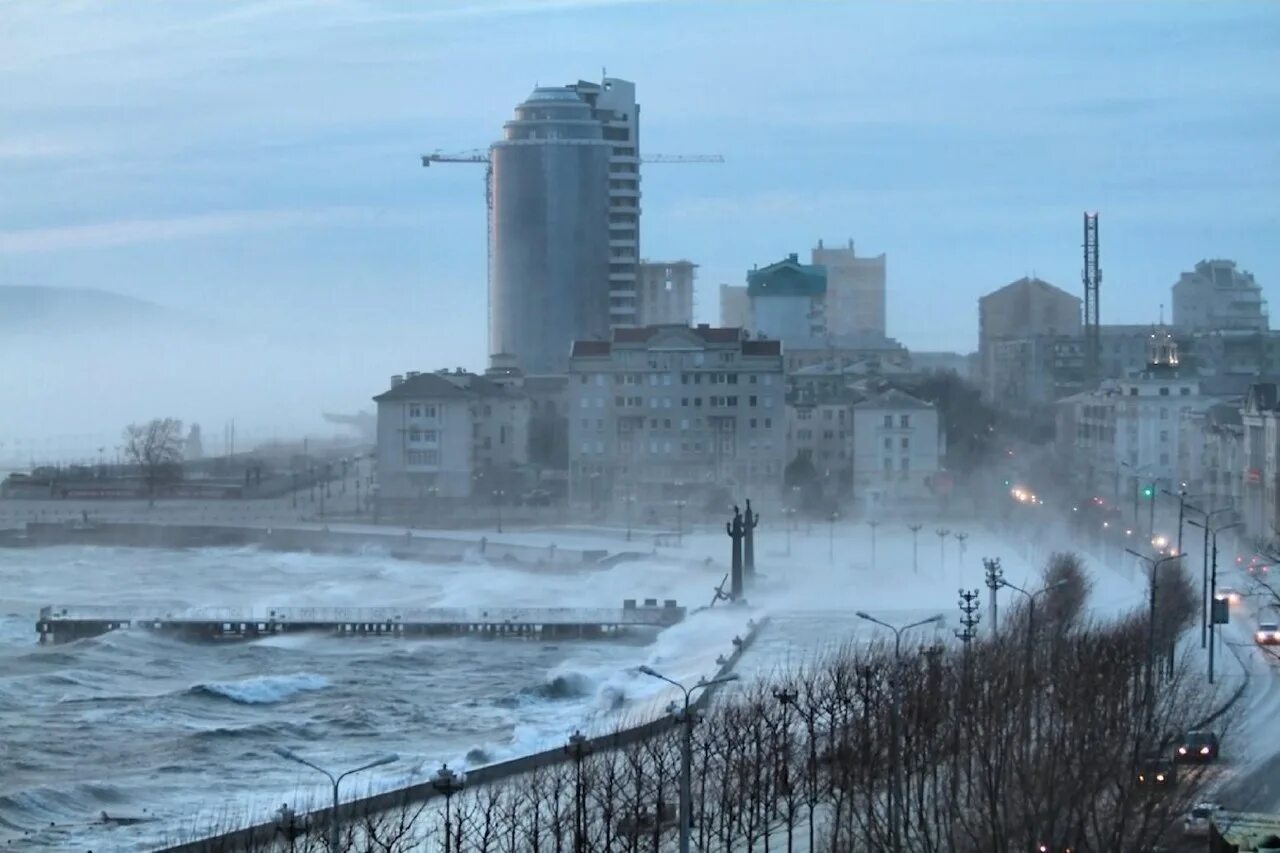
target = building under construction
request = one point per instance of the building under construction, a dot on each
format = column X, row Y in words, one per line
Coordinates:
column 564, row 222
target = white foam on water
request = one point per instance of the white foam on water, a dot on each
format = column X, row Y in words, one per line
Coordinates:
column 264, row 689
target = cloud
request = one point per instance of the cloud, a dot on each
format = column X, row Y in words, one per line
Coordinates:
column 132, row 231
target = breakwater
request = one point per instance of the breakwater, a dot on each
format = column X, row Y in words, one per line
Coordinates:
column 403, row 544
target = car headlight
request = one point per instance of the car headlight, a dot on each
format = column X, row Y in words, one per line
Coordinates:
column 1204, row 750
column 1182, row 750
column 1159, row 777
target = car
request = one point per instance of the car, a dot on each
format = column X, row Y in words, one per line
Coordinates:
column 537, row 497
column 1157, row 773
column 1196, row 823
column 1200, row 747
column 1268, row 634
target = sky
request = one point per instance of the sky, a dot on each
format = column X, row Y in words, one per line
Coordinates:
column 256, row 163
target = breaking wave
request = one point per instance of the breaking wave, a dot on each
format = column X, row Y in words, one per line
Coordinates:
column 263, row 689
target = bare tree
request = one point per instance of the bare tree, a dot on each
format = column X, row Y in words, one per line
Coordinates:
column 155, row 447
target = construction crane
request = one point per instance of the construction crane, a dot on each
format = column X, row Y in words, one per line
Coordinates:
column 481, row 155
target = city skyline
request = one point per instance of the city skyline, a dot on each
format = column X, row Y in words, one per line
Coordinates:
column 261, row 159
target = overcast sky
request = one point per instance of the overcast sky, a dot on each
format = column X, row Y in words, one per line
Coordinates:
column 258, row 161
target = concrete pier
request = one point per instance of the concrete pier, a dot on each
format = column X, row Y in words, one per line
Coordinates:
column 65, row 623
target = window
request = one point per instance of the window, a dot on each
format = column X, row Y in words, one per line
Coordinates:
column 1184, row 391
column 653, row 423
column 599, row 447
column 904, row 421
column 684, row 423
column 888, row 421
column 1164, row 458
column 502, row 434
column 768, row 423
column 599, row 404
column 888, row 443
column 751, row 378
column 826, row 414
column 582, row 379
column 1133, row 392
column 751, row 400
column 1164, row 435
column 733, row 379
column 768, row 379
column 415, row 436
column 906, row 464
column 906, row 443
column 415, row 410
column 585, row 402
column 431, row 435
column 697, row 402
column 733, row 401
column 888, row 465
column 1164, row 414
column 752, row 423
column 599, row 378
column 666, row 423
column 1164, row 392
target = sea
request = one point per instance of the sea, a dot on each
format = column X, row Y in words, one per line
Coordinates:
column 177, row 736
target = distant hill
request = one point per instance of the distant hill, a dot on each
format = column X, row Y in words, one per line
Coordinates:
column 49, row 310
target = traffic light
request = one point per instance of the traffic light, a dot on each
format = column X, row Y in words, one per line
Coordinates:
column 1148, row 492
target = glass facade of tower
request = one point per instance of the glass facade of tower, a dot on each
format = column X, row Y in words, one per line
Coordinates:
column 549, row 234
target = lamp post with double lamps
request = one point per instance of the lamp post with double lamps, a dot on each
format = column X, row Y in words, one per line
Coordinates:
column 1212, row 532
column 335, row 826
column 686, row 718
column 1206, row 527
column 1155, row 564
column 1031, row 610
column 895, row 768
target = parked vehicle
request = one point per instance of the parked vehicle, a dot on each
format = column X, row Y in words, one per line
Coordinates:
column 1198, row 747
column 1198, row 820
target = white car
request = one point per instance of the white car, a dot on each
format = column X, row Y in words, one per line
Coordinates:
column 1268, row 634
column 1196, row 824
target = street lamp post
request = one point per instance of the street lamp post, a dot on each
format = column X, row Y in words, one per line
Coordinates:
column 873, row 524
column 895, row 770
column 915, row 547
column 686, row 718
column 1031, row 610
column 628, row 501
column 1207, row 528
column 790, row 513
column 960, row 538
column 578, row 748
column 1212, row 532
column 335, row 826
column 1151, row 623
column 447, row 783
column 498, row 495
column 943, row 533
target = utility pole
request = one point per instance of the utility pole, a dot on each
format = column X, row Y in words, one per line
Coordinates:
column 943, row 533
column 1092, row 276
